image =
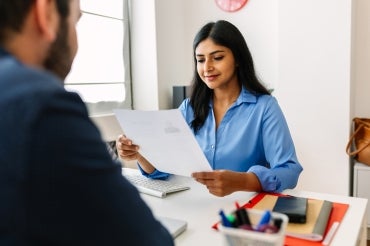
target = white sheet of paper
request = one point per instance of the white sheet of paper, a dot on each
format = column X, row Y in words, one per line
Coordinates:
column 165, row 140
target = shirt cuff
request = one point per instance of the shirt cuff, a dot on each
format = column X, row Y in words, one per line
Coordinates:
column 154, row 175
column 269, row 183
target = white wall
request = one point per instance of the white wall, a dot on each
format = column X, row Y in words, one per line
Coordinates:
column 170, row 47
column 301, row 48
column 314, row 88
column 361, row 59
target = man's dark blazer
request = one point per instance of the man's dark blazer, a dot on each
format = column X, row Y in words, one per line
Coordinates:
column 58, row 183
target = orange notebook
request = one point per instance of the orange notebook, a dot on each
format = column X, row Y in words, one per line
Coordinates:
column 266, row 201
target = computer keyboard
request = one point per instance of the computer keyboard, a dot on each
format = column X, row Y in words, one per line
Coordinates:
column 155, row 187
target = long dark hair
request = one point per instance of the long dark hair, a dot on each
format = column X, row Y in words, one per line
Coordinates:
column 225, row 34
column 13, row 14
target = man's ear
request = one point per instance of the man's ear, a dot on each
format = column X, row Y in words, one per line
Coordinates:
column 47, row 18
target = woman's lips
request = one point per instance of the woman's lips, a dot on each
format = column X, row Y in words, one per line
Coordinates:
column 211, row 77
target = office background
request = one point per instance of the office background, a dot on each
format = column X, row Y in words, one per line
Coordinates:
column 314, row 54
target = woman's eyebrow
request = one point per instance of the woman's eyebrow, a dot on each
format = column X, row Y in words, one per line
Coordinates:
column 212, row 53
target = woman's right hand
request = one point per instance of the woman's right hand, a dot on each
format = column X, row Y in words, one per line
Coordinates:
column 126, row 149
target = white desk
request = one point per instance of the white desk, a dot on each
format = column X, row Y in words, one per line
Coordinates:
column 200, row 209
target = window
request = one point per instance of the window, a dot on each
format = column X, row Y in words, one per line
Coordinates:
column 101, row 70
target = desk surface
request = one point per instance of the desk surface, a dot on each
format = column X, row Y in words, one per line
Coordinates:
column 200, row 209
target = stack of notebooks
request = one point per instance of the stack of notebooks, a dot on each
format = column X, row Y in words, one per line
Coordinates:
column 310, row 220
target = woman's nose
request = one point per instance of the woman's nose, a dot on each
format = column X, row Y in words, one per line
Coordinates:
column 208, row 66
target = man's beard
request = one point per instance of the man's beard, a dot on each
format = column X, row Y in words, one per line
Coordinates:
column 59, row 60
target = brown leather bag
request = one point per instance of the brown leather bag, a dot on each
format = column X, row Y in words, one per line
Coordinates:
column 360, row 141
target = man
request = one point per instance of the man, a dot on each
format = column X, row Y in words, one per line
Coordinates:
column 58, row 183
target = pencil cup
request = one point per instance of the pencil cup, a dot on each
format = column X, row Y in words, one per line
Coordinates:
column 253, row 236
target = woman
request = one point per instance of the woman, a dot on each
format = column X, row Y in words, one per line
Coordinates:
column 238, row 124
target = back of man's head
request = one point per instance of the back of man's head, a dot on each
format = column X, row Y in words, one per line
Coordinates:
column 14, row 12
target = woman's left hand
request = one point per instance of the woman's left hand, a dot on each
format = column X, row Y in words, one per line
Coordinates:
column 224, row 182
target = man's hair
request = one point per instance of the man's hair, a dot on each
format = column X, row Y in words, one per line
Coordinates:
column 13, row 14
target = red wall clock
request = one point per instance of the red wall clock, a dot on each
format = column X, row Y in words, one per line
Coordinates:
column 231, row 5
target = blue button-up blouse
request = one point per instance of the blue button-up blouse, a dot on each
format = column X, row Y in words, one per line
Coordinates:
column 253, row 136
